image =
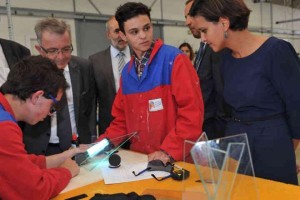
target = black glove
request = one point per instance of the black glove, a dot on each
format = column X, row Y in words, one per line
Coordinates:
column 122, row 196
column 158, row 165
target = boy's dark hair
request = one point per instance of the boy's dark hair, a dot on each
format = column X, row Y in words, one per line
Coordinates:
column 130, row 10
column 32, row 74
column 235, row 10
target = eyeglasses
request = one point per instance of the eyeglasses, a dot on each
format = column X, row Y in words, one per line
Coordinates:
column 55, row 102
column 55, row 52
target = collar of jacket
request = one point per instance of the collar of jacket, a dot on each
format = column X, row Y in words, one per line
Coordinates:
column 157, row 45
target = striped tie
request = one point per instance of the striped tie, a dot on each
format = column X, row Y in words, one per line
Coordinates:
column 121, row 61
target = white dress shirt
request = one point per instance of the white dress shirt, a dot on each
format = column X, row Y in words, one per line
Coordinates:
column 69, row 94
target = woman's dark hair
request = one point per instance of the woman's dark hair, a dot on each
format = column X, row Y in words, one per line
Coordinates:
column 32, row 74
column 130, row 10
column 185, row 44
column 235, row 10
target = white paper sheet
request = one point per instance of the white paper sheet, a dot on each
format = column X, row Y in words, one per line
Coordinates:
column 130, row 161
column 97, row 171
column 86, row 176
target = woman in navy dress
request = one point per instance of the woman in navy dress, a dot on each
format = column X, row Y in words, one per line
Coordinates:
column 261, row 84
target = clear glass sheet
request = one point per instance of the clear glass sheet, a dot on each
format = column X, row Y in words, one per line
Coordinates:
column 91, row 163
column 224, row 166
column 192, row 187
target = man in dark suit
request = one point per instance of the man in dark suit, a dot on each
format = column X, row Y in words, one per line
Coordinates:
column 106, row 72
column 76, row 116
column 207, row 65
column 10, row 53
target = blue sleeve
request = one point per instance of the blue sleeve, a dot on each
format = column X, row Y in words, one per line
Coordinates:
column 285, row 76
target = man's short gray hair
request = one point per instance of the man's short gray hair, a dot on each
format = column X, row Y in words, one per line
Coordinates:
column 107, row 23
column 52, row 25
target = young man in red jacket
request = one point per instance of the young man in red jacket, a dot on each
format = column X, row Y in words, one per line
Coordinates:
column 159, row 95
column 33, row 89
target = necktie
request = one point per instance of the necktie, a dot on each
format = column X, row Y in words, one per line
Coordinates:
column 64, row 130
column 200, row 55
column 121, row 61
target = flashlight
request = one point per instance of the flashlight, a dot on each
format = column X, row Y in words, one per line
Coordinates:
column 98, row 147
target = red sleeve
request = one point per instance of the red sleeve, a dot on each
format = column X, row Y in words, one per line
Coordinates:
column 22, row 176
column 38, row 160
column 185, row 86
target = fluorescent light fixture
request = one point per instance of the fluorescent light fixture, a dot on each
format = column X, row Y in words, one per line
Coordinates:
column 95, row 149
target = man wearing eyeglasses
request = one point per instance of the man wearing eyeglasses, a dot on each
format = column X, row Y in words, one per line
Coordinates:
column 24, row 97
column 77, row 113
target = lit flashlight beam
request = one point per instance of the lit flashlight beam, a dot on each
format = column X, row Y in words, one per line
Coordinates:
column 95, row 149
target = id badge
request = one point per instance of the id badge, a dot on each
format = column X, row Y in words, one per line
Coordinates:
column 155, row 105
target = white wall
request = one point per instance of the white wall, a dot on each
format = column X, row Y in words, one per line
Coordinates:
column 172, row 10
column 23, row 28
column 261, row 17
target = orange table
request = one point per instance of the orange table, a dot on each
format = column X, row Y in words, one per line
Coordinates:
column 267, row 190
